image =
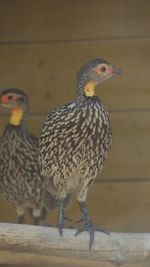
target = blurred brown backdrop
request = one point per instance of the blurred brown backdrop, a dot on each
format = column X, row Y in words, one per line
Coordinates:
column 43, row 43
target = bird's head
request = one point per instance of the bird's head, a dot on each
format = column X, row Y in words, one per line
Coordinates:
column 13, row 98
column 16, row 100
column 94, row 72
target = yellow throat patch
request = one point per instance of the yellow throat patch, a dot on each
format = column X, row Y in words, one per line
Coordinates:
column 16, row 116
column 90, row 88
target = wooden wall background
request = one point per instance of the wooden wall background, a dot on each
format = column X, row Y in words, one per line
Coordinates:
column 43, row 43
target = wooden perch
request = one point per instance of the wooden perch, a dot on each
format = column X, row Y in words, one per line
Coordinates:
column 118, row 248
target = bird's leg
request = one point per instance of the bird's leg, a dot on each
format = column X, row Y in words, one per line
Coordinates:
column 21, row 219
column 34, row 216
column 88, row 224
column 43, row 213
column 37, row 215
column 62, row 217
column 20, row 212
column 36, row 220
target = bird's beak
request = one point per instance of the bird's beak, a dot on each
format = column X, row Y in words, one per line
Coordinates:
column 116, row 70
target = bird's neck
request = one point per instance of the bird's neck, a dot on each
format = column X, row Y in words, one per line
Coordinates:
column 84, row 99
column 17, row 116
column 85, row 87
column 89, row 89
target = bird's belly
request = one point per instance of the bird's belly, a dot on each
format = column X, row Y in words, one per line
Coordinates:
column 11, row 191
column 15, row 186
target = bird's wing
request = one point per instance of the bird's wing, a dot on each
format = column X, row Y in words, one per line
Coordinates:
column 60, row 138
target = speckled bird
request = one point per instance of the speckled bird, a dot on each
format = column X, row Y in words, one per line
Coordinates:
column 20, row 181
column 75, row 142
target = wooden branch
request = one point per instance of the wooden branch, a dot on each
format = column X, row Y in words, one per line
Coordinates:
column 118, row 248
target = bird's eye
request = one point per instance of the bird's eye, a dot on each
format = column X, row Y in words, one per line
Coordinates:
column 10, row 97
column 103, row 69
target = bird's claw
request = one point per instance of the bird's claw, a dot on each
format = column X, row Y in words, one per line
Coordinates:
column 60, row 228
column 81, row 219
column 72, row 226
column 91, row 229
column 102, row 230
column 48, row 225
column 66, row 218
column 83, row 229
column 91, row 233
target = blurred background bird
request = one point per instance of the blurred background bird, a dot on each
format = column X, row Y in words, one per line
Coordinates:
column 75, row 142
column 20, row 181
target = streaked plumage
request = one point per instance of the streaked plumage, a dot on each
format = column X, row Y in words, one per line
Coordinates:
column 76, row 140
column 20, row 181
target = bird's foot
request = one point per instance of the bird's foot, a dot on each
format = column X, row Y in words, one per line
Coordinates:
column 88, row 225
column 66, row 218
column 91, row 229
column 48, row 225
column 72, row 226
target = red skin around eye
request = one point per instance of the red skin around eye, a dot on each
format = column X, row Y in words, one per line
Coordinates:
column 109, row 69
column 4, row 99
column 98, row 70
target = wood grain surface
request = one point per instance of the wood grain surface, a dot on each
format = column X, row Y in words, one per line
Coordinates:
column 116, row 248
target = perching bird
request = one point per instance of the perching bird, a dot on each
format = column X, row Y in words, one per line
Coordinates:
column 75, row 142
column 20, row 181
